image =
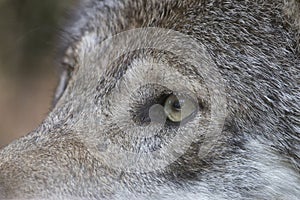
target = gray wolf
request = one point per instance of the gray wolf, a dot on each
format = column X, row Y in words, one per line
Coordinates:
column 193, row 99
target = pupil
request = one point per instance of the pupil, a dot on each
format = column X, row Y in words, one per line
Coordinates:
column 177, row 105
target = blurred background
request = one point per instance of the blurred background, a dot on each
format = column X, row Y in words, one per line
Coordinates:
column 29, row 31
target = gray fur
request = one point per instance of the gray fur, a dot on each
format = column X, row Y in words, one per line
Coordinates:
column 255, row 47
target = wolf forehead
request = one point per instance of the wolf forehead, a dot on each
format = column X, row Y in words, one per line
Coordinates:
column 249, row 33
column 108, row 17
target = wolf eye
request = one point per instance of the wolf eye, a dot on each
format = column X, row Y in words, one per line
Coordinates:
column 179, row 108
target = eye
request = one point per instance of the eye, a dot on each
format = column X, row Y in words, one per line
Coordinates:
column 179, row 108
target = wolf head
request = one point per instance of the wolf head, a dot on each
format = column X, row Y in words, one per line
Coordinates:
column 168, row 100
